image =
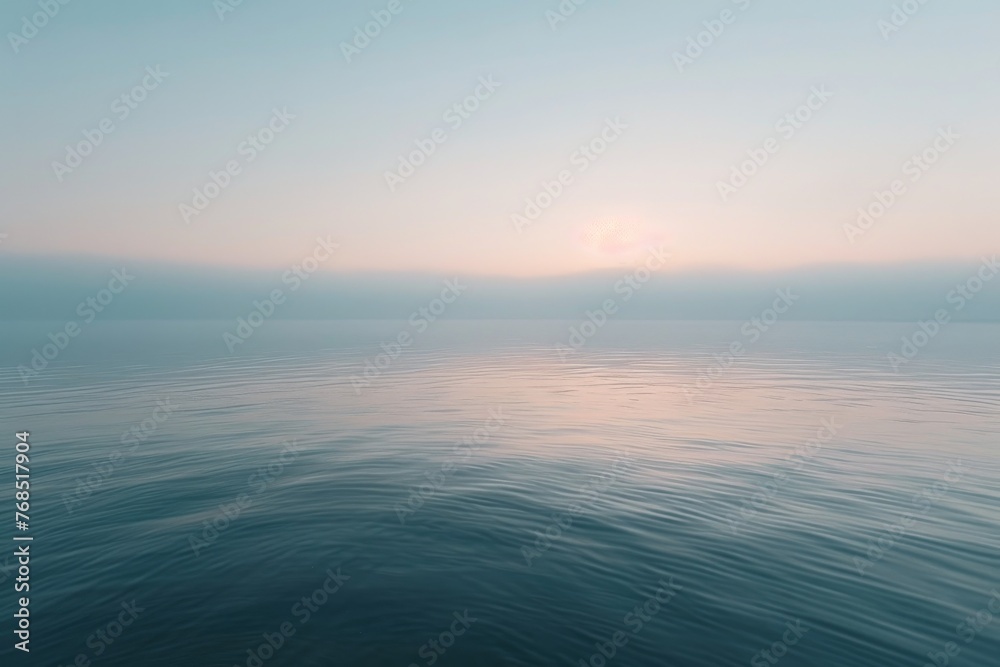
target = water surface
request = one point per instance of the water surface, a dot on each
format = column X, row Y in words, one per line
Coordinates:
column 540, row 497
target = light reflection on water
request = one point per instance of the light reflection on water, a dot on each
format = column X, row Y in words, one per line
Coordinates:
column 359, row 457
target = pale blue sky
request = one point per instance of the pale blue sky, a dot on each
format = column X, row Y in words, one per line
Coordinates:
column 325, row 173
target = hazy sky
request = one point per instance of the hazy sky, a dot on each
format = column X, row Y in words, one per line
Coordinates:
column 676, row 134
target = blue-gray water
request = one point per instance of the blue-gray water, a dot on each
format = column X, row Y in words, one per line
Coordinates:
column 637, row 475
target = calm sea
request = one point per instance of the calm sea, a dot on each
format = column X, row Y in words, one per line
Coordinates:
column 482, row 500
